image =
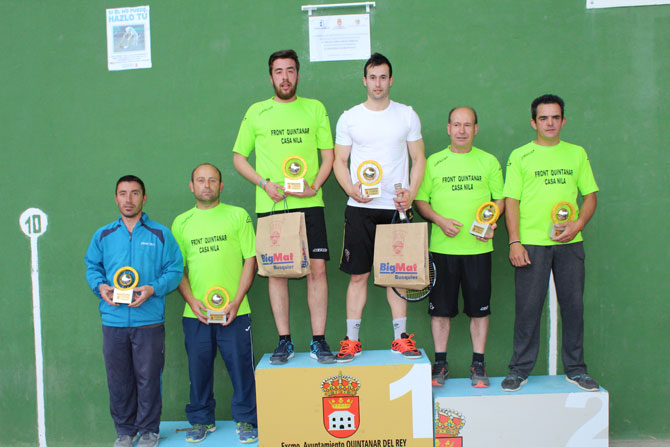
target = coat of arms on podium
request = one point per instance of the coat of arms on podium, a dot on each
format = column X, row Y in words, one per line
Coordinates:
column 341, row 413
column 448, row 424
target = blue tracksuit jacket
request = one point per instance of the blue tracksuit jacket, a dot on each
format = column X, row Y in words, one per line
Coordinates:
column 152, row 251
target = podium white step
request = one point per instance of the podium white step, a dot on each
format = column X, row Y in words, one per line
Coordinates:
column 547, row 411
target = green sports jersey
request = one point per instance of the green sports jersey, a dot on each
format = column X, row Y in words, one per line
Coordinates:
column 456, row 185
column 540, row 177
column 278, row 130
column 214, row 244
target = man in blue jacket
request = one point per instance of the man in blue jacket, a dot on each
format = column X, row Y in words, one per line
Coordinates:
column 133, row 336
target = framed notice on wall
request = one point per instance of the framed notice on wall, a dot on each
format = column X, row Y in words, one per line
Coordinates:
column 339, row 37
column 128, row 38
column 590, row 4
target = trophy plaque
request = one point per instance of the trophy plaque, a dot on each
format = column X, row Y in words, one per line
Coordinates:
column 370, row 175
column 487, row 215
column 216, row 300
column 125, row 281
column 294, row 168
column 561, row 213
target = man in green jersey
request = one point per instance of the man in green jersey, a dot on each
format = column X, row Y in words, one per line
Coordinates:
column 458, row 180
column 540, row 175
column 218, row 245
column 282, row 127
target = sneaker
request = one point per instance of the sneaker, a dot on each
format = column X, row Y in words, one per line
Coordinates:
column 478, row 375
column 349, row 350
column 246, row 432
column 320, row 351
column 405, row 346
column 199, row 432
column 148, row 439
column 513, row 382
column 440, row 372
column 283, row 353
column 584, row 381
column 125, row 441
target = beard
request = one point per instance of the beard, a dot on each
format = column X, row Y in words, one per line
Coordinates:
column 288, row 95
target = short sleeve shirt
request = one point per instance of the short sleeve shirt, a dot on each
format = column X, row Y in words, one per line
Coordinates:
column 540, row 177
column 214, row 244
column 277, row 131
column 456, row 185
column 380, row 136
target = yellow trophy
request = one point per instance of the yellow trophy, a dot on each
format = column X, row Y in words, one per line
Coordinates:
column 294, row 168
column 216, row 300
column 561, row 213
column 370, row 175
column 487, row 215
column 125, row 280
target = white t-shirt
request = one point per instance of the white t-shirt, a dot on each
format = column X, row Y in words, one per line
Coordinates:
column 381, row 136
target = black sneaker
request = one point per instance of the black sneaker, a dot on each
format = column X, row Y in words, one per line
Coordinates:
column 320, row 351
column 584, row 381
column 513, row 382
column 440, row 373
column 283, row 353
column 478, row 375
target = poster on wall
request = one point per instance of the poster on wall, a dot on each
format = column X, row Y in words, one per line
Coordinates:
column 339, row 37
column 590, row 4
column 128, row 38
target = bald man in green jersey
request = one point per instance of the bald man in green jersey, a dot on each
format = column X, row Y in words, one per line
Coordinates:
column 458, row 180
column 218, row 245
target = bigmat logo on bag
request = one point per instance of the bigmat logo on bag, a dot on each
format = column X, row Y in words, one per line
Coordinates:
column 283, row 261
column 278, row 261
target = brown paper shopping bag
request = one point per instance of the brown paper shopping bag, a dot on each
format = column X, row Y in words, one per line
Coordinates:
column 281, row 246
column 401, row 255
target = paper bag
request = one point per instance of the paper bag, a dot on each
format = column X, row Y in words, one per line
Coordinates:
column 401, row 255
column 281, row 246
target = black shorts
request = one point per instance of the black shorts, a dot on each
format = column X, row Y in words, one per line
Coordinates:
column 473, row 274
column 315, row 226
column 360, row 226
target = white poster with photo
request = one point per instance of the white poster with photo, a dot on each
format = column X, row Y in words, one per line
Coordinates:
column 339, row 38
column 128, row 38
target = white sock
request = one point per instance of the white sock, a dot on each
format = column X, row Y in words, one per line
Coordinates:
column 399, row 326
column 353, row 326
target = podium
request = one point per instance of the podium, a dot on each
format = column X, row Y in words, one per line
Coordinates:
column 547, row 411
column 384, row 400
column 380, row 399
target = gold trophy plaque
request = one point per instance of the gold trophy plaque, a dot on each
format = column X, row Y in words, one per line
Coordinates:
column 294, row 168
column 370, row 175
column 125, row 281
column 487, row 215
column 561, row 213
column 216, row 300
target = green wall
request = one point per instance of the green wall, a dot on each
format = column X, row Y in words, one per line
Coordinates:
column 70, row 128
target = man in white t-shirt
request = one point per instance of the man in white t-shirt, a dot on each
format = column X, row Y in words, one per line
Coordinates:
column 378, row 135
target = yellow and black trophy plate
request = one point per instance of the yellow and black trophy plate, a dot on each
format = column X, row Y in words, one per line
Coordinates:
column 487, row 215
column 294, row 168
column 561, row 213
column 125, row 281
column 370, row 175
column 216, row 300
